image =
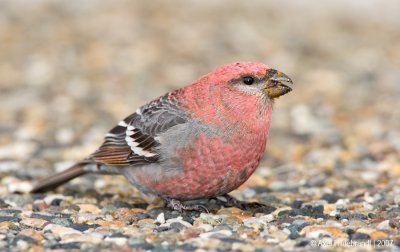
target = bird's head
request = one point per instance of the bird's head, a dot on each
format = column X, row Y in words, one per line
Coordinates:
column 242, row 91
column 252, row 78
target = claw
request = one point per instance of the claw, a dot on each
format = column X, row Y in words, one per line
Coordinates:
column 230, row 201
column 179, row 206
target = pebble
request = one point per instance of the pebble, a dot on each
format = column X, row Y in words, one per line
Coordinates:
column 76, row 237
column 384, row 225
column 60, row 231
column 181, row 221
column 87, row 217
column 88, row 208
column 119, row 241
column 32, row 233
column 112, row 224
column 22, row 245
column 49, row 199
column 146, row 223
column 239, row 246
column 315, row 232
column 211, row 219
column 205, row 227
column 248, row 193
column 20, row 187
column 161, row 218
column 256, row 223
column 216, row 234
column 34, row 223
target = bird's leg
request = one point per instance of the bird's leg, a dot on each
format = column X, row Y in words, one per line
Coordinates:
column 230, row 201
column 179, row 206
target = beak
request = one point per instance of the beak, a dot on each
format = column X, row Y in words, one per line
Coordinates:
column 278, row 84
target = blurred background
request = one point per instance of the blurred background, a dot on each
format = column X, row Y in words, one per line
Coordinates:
column 70, row 70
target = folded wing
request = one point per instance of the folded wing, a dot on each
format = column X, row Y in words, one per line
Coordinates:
column 134, row 140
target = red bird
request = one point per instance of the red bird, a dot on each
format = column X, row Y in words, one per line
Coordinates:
column 203, row 140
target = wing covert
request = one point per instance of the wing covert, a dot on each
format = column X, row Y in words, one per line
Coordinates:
column 134, row 140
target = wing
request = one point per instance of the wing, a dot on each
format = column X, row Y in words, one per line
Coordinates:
column 134, row 140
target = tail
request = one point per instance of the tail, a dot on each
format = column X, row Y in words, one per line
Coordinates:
column 58, row 179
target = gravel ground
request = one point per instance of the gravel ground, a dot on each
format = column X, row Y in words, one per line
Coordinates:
column 331, row 175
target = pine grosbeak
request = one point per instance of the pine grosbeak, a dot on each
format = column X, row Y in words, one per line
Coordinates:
column 203, row 140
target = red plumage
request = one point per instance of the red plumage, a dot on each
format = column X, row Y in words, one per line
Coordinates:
column 200, row 141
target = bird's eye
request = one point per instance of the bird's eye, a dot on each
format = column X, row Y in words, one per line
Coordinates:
column 248, row 80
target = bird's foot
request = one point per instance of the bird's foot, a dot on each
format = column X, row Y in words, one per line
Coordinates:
column 229, row 201
column 179, row 206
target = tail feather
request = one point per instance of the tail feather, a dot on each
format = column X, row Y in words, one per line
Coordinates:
column 58, row 179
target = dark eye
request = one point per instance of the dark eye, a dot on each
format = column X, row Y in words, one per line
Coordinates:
column 248, row 80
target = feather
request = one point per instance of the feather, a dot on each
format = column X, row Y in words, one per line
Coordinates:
column 135, row 139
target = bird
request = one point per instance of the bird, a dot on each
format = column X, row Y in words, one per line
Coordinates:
column 200, row 141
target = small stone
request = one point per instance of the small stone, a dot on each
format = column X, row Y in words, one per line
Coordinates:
column 333, row 223
column 233, row 220
column 88, row 208
column 146, row 223
column 265, row 209
column 315, row 232
column 139, row 244
column 16, row 200
column 3, row 244
column 124, row 214
column 22, row 245
column 181, row 221
column 229, row 210
column 50, row 198
column 330, row 198
column 3, row 204
column 216, row 234
column 368, row 206
column 299, row 224
column 39, row 206
column 114, row 223
column 334, row 213
column 161, row 218
column 9, row 218
column 20, row 187
column 60, row 231
column 394, row 223
column 36, row 235
column 210, row 219
column 7, row 224
column 384, row 225
column 355, row 216
column 62, row 221
column 394, row 210
column 141, row 216
column 34, row 223
column 256, row 223
column 378, row 235
column 96, row 235
column 177, row 226
column 248, row 193
column 267, row 218
column 297, row 204
column 360, row 236
column 69, row 246
column 75, row 237
column 82, row 227
column 205, row 227
column 87, row 217
column 119, row 241
column 108, row 209
column 246, row 247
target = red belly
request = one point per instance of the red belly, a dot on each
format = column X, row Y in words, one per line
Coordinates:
column 210, row 167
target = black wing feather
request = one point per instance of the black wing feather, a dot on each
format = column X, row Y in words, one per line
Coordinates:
column 133, row 140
